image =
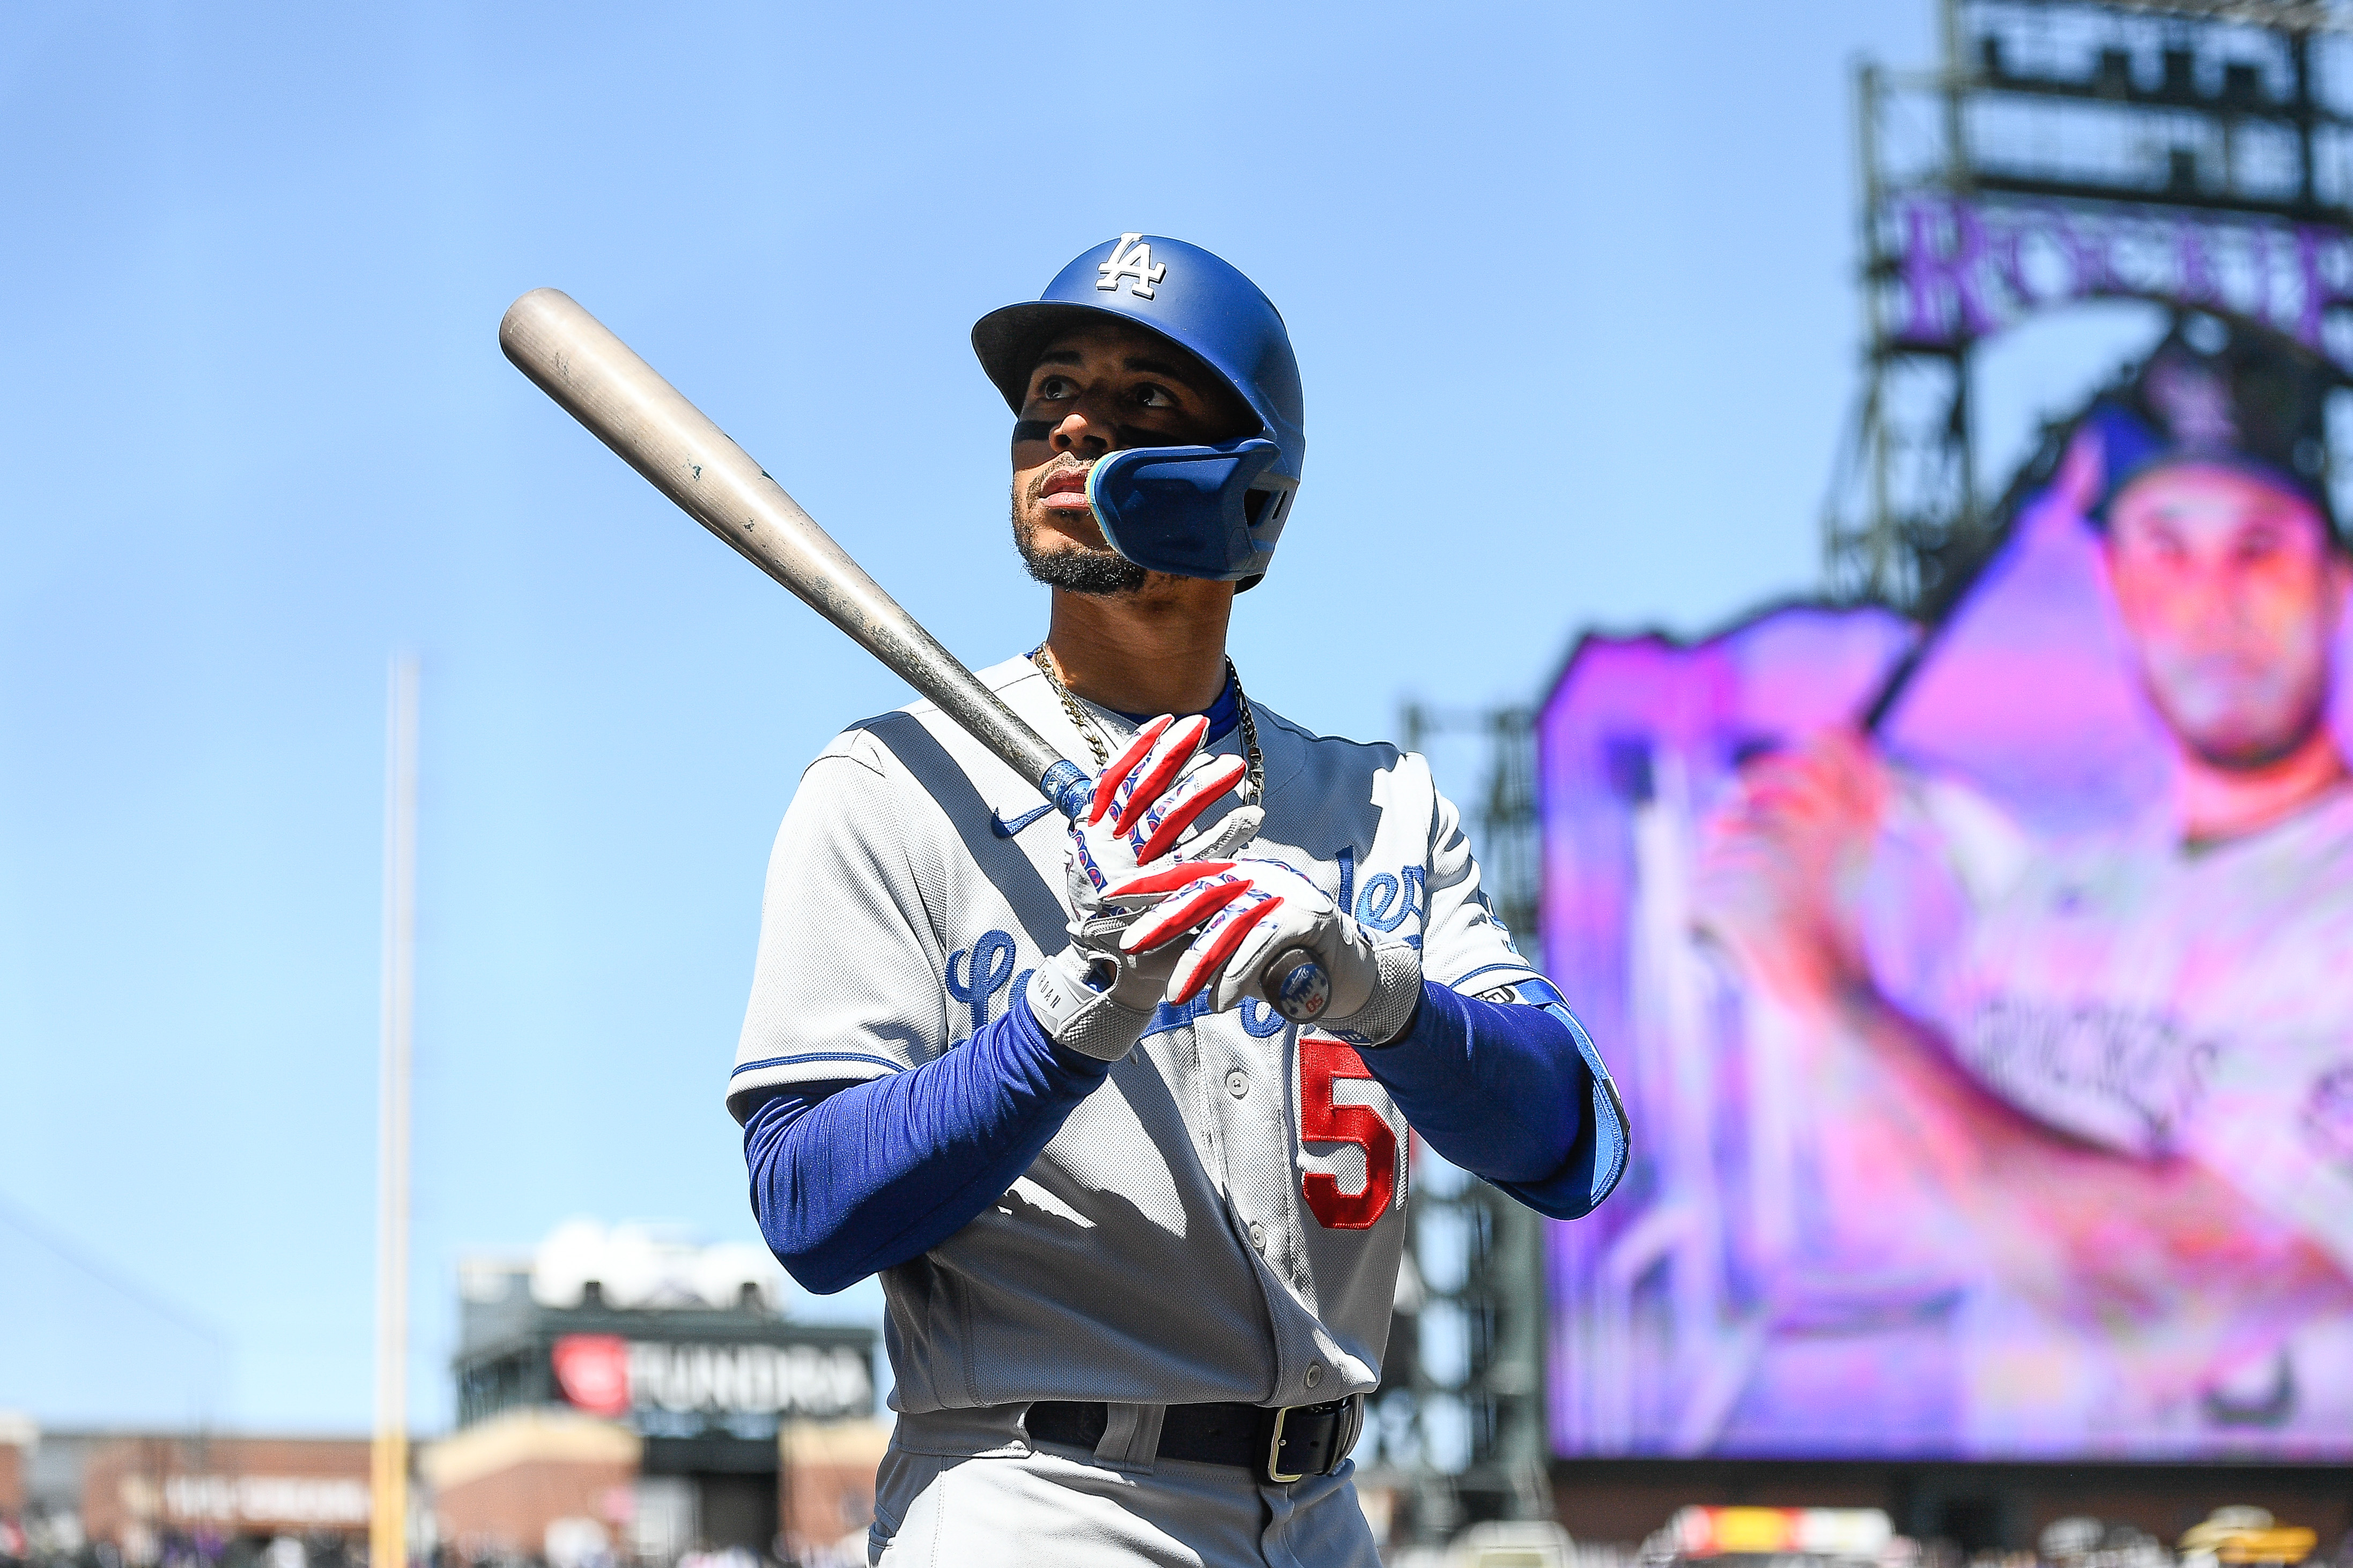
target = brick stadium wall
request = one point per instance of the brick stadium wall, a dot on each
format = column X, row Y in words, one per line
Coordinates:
column 18, row 1436
column 129, row 1481
column 827, row 1480
column 498, row 1486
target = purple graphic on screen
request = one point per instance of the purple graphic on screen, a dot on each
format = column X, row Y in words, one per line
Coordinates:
column 1777, row 1276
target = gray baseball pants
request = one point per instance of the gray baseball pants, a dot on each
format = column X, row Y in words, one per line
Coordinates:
column 968, row 1488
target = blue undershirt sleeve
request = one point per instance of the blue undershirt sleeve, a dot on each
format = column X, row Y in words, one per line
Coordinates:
column 849, row 1179
column 1510, row 1091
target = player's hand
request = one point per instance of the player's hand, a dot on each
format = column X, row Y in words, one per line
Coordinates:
column 1095, row 995
column 1780, row 863
column 1244, row 913
column 1147, row 799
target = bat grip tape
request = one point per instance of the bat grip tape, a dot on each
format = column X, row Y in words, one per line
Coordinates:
column 1068, row 786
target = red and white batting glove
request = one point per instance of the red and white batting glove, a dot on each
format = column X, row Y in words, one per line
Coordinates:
column 1246, row 913
column 1095, row 995
column 1147, row 798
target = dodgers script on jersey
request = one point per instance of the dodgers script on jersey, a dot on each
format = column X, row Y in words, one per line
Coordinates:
column 1223, row 1220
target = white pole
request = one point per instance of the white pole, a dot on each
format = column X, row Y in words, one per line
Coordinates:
column 388, row 1514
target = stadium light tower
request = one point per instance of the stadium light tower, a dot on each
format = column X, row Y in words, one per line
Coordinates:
column 1470, row 1352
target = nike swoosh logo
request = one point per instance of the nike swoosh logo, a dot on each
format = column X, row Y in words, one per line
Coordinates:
column 1004, row 830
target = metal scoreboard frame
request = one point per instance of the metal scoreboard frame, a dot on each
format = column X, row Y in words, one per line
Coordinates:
column 2196, row 154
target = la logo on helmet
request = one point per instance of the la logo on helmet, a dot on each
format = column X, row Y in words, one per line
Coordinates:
column 1132, row 259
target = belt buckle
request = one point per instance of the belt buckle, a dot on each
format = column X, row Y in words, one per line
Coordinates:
column 1274, row 1449
column 1340, row 1436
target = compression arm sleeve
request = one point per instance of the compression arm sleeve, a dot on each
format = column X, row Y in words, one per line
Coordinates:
column 1511, row 1092
column 847, row 1180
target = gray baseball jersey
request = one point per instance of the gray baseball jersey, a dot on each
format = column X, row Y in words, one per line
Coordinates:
column 1223, row 1218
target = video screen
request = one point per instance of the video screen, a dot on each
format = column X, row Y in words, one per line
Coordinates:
column 1986, row 1104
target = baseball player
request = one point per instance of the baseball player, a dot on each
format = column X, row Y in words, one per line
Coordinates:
column 2132, row 1078
column 1139, row 1234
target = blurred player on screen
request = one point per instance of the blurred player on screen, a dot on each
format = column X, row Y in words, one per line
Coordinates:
column 2122, row 1106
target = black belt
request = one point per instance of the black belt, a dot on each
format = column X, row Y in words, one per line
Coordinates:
column 1279, row 1445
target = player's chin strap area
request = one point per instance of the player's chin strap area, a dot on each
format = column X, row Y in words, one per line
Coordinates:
column 1193, row 511
column 1279, row 1445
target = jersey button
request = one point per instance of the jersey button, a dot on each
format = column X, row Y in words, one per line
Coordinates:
column 1315, row 1372
column 1258, row 1236
column 1238, row 1083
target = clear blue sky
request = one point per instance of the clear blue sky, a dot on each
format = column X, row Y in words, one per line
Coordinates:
column 1570, row 284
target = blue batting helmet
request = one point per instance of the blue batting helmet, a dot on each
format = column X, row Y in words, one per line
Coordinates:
column 1195, row 511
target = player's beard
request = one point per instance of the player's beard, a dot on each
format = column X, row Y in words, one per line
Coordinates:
column 1074, row 567
column 2241, row 710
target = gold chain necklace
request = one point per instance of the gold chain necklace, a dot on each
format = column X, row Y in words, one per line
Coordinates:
column 1254, row 782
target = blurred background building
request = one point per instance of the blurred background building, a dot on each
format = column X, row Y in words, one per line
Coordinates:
column 626, row 1391
column 623, row 1395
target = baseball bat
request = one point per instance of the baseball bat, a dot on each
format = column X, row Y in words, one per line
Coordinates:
column 595, row 377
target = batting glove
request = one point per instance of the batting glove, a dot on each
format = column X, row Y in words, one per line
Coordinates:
column 1250, row 911
column 1095, row 995
column 1146, row 799
column 1072, row 996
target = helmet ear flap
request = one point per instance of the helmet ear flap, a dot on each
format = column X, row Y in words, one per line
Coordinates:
column 1267, row 508
column 1213, row 512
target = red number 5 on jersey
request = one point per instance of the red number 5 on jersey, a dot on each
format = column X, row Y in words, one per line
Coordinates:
column 1322, row 1120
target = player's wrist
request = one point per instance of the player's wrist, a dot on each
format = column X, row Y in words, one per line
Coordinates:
column 1388, row 1014
column 1074, row 998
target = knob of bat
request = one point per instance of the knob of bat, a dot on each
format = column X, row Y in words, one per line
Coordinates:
column 1068, row 787
column 1296, row 985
